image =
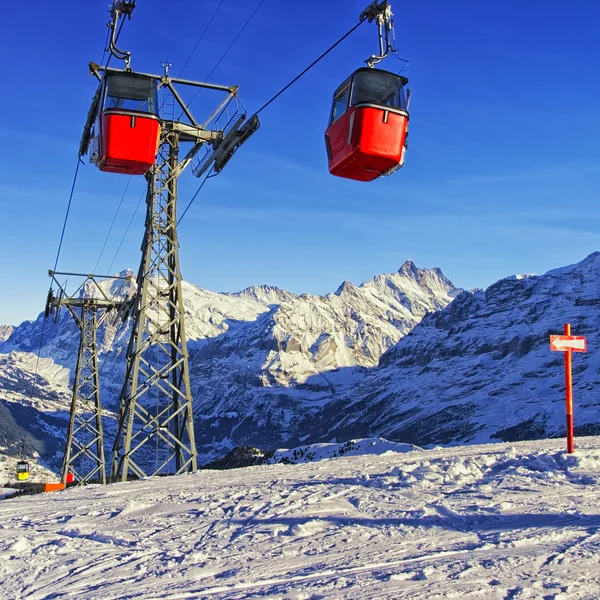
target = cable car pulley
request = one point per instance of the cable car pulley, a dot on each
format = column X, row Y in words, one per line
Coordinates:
column 120, row 8
column 381, row 12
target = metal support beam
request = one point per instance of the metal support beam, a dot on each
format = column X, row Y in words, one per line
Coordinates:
column 156, row 430
column 96, row 69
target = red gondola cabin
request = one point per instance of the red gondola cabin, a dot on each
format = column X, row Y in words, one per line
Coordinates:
column 127, row 127
column 367, row 131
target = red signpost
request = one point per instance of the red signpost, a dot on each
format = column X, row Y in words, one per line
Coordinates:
column 568, row 343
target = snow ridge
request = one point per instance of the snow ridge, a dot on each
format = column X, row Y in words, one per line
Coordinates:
column 492, row 521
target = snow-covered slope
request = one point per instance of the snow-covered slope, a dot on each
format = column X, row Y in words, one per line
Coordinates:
column 493, row 521
column 482, row 369
column 5, row 332
column 34, row 409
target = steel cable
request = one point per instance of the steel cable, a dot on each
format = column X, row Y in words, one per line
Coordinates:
column 64, row 227
column 235, row 39
column 275, row 96
column 200, row 38
column 308, row 68
column 112, row 224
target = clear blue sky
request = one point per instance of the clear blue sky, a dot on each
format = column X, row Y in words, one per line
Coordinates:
column 502, row 174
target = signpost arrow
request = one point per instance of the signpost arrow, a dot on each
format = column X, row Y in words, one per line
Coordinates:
column 572, row 343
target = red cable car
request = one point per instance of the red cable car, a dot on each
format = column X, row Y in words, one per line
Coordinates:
column 366, row 137
column 127, row 127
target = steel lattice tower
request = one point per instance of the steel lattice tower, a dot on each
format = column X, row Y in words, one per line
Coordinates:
column 156, row 401
column 89, row 306
column 84, row 437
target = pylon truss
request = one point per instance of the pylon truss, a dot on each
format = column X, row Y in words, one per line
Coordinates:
column 90, row 306
column 155, row 435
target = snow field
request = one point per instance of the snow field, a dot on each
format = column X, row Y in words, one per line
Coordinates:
column 496, row 521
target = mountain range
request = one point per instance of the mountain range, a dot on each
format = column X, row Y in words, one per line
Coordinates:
column 406, row 356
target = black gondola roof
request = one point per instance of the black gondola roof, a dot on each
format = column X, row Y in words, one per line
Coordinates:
column 403, row 80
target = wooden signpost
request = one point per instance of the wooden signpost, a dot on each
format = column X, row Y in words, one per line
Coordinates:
column 568, row 343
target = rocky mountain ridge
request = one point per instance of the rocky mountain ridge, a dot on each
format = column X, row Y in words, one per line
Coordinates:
column 482, row 370
column 396, row 357
column 260, row 358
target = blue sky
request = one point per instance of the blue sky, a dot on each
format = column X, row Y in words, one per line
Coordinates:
column 502, row 174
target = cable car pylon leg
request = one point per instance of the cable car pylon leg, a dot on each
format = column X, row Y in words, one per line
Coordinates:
column 156, row 400
column 84, row 451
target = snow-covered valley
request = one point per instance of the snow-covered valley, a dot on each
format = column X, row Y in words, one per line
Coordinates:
column 492, row 521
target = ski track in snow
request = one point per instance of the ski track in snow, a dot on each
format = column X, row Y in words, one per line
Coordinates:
column 495, row 521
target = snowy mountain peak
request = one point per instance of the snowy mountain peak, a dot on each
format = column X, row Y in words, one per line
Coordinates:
column 266, row 294
column 347, row 287
column 409, row 268
column 414, row 288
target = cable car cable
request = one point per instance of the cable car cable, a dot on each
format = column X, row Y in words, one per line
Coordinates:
column 209, row 175
column 235, row 39
column 144, row 193
column 239, row 33
column 113, row 223
column 200, row 38
column 309, row 67
column 62, row 234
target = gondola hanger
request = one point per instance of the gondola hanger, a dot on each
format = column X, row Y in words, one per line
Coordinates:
column 368, row 123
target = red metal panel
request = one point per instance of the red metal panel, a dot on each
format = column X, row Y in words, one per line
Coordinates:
column 53, row 487
column 129, row 143
column 366, row 142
